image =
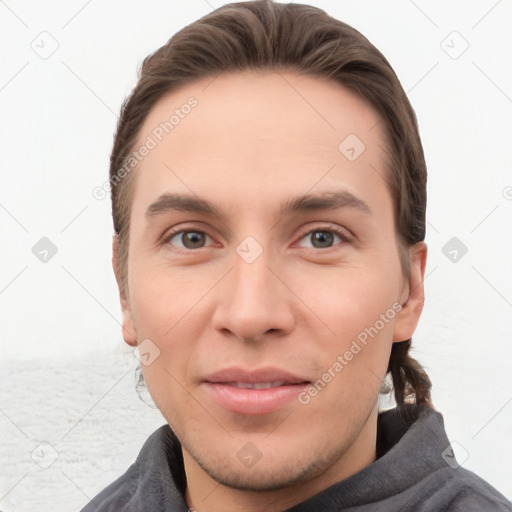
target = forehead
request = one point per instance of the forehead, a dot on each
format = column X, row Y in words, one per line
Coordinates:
column 263, row 130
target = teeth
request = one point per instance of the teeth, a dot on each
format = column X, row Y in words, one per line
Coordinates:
column 258, row 385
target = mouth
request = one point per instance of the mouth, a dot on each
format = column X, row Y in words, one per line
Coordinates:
column 255, row 385
column 257, row 392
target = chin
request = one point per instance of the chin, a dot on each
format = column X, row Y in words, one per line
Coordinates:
column 258, row 480
column 274, row 471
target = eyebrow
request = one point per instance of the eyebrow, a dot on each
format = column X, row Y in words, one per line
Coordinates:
column 308, row 202
column 181, row 202
column 324, row 201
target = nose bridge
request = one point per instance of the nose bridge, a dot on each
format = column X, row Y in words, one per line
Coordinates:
column 252, row 281
column 253, row 255
column 251, row 302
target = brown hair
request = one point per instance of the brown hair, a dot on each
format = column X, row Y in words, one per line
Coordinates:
column 264, row 35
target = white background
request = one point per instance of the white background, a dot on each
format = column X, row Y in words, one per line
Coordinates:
column 68, row 379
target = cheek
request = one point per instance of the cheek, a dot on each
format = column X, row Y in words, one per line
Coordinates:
column 350, row 299
column 163, row 298
column 359, row 307
column 157, row 309
column 165, row 313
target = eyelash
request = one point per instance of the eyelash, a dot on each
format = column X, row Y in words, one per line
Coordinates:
column 345, row 238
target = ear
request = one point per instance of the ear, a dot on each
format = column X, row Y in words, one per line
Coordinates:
column 127, row 324
column 413, row 297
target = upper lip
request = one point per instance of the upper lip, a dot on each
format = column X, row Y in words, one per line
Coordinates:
column 228, row 375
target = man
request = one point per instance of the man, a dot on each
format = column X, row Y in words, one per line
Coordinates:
column 269, row 192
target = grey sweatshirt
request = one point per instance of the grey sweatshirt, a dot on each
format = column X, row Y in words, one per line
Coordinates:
column 415, row 471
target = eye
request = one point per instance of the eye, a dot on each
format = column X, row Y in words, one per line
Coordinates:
column 323, row 238
column 187, row 239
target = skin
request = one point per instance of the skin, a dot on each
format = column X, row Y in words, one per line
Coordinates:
column 252, row 143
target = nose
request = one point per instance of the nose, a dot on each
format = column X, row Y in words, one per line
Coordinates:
column 254, row 301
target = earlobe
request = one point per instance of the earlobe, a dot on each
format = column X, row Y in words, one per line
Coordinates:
column 128, row 328
column 409, row 315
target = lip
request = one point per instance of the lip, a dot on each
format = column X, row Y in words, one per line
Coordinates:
column 221, row 387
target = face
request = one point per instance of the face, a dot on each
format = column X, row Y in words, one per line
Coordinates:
column 263, row 264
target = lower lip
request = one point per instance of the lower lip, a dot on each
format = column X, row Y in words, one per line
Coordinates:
column 253, row 401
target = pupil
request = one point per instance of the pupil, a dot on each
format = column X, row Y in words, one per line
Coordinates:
column 322, row 239
column 193, row 240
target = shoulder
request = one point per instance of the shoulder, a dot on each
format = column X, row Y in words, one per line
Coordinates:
column 153, row 482
column 461, row 490
column 117, row 494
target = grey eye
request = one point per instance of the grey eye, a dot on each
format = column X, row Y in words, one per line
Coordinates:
column 189, row 239
column 321, row 239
